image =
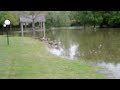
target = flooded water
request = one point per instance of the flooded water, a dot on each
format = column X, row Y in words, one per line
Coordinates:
column 110, row 69
column 100, row 47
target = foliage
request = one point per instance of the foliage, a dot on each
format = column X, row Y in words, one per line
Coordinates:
column 95, row 18
column 11, row 15
column 7, row 15
column 68, row 18
column 114, row 19
column 57, row 19
column 101, row 18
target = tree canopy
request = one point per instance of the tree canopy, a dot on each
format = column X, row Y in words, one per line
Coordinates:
column 68, row 18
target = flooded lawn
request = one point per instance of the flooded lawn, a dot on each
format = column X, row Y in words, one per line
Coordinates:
column 100, row 47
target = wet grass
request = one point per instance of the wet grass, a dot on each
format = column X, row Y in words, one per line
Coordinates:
column 27, row 58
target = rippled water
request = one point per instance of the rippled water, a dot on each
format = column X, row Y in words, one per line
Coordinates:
column 100, row 47
column 61, row 52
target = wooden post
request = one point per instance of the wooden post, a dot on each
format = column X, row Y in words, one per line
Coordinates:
column 44, row 28
column 22, row 33
column 33, row 28
column 25, row 26
column 41, row 27
column 39, row 24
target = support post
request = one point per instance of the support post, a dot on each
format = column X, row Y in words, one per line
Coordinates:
column 22, row 33
column 44, row 28
column 25, row 26
column 39, row 24
column 41, row 27
column 33, row 28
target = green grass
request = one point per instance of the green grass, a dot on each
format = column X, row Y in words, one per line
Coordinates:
column 26, row 58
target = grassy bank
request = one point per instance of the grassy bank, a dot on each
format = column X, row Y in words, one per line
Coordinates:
column 29, row 58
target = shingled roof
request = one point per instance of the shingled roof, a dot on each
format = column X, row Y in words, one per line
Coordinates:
column 28, row 18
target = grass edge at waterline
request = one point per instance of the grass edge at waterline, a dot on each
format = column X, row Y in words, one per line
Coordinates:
column 28, row 58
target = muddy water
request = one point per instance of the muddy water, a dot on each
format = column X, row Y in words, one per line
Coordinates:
column 101, row 47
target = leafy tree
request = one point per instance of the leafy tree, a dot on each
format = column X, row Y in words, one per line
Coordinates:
column 8, row 15
column 114, row 20
column 95, row 18
column 12, row 16
column 57, row 19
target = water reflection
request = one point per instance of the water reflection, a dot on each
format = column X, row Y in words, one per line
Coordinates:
column 55, row 51
column 101, row 47
column 71, row 53
column 73, row 50
column 112, row 70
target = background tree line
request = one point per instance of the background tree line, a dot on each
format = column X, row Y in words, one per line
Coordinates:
column 84, row 18
column 69, row 18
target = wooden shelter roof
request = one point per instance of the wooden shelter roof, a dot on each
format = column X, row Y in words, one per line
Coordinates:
column 28, row 18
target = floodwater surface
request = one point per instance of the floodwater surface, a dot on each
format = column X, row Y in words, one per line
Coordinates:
column 100, row 47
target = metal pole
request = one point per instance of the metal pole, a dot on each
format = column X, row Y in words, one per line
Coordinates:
column 7, row 37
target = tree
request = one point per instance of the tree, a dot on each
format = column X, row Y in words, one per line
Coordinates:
column 95, row 18
column 106, row 18
column 58, row 19
column 8, row 15
column 84, row 17
column 114, row 20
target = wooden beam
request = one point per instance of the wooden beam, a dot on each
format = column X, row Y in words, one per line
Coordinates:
column 22, row 33
column 33, row 28
column 44, row 29
column 39, row 24
column 41, row 27
column 39, row 30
